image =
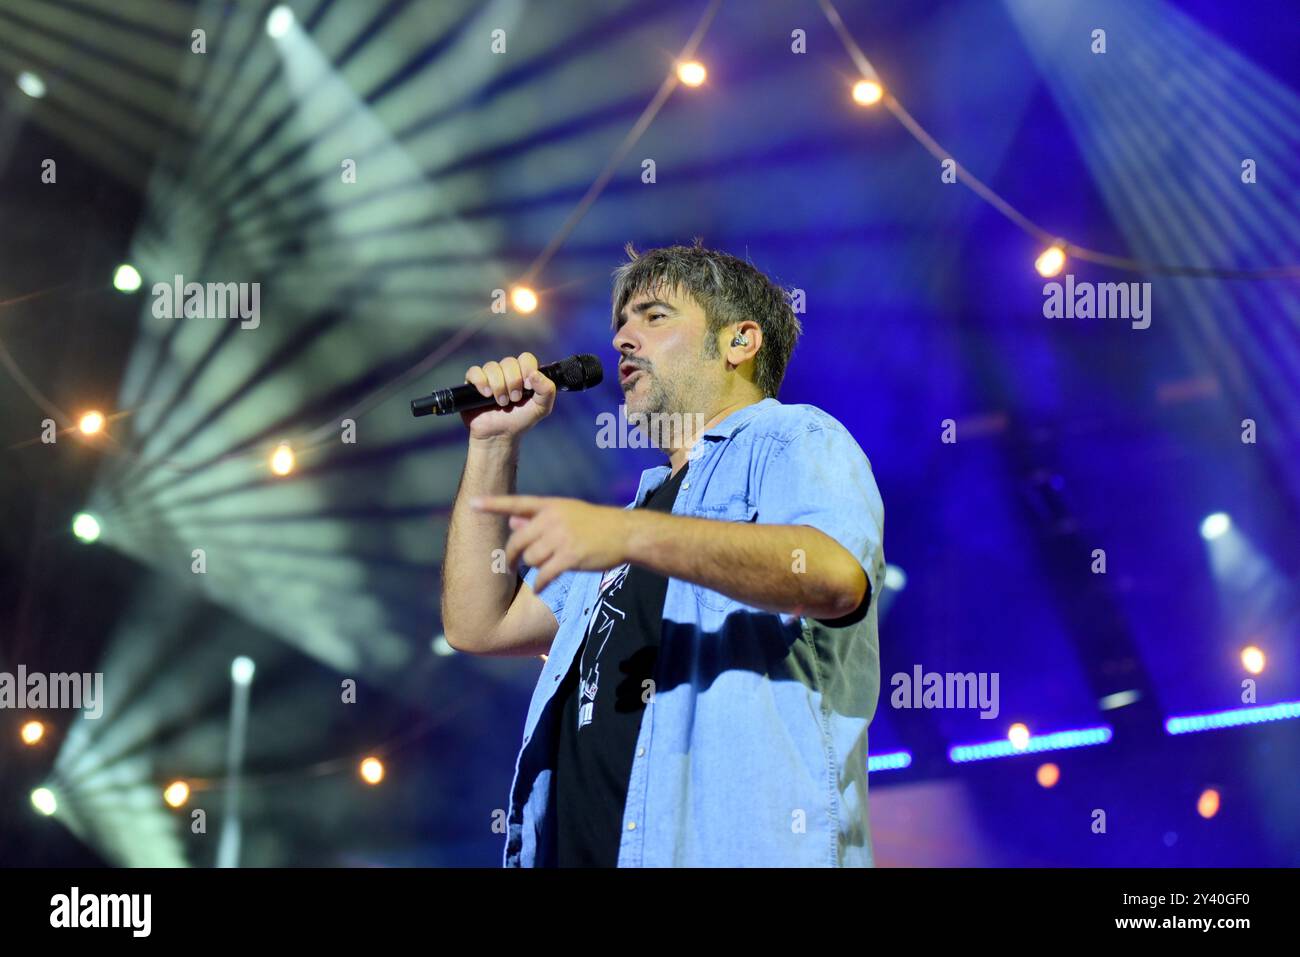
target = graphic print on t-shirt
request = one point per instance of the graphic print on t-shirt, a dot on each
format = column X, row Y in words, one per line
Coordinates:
column 606, row 618
column 601, row 701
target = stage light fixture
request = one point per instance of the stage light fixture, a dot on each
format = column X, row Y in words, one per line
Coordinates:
column 31, row 84
column 1215, row 526
column 1119, row 699
column 1018, row 735
column 895, row 578
column 241, row 670
column 86, row 527
column 1052, row 741
column 32, row 732
column 44, row 801
column 1207, row 805
column 1232, row 718
column 1252, row 659
column 279, row 22
column 893, row 761
column 126, row 278
column 1048, row 775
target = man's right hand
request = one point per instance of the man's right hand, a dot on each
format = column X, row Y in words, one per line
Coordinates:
column 513, row 415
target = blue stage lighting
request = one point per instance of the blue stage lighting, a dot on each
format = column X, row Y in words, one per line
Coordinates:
column 889, row 762
column 1056, row 741
column 1191, row 723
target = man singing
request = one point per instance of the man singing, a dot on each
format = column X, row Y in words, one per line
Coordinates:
column 712, row 662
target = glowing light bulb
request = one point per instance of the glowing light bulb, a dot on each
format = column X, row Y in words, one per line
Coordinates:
column 1048, row 775
column 692, row 72
column 1252, row 659
column 1207, row 805
column 867, row 92
column 177, row 793
column 523, row 299
column 1018, row 735
column 32, row 732
column 1050, row 262
column 372, row 770
column 91, row 423
column 282, row 459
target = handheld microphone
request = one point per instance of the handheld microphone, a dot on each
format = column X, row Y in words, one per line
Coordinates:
column 569, row 375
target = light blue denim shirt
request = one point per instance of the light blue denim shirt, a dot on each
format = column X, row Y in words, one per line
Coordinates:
column 753, row 747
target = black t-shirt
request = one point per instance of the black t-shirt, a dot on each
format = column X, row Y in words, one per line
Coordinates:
column 602, row 699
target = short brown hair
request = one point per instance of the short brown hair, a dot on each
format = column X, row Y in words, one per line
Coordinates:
column 729, row 290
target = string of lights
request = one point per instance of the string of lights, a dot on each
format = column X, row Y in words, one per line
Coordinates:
column 525, row 299
column 371, row 767
column 870, row 91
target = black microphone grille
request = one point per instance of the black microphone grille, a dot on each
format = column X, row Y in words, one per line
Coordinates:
column 580, row 372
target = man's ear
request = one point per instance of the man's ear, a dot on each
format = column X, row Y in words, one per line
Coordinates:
column 751, row 334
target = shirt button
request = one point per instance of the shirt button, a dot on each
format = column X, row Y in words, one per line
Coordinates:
column 640, row 752
column 557, row 677
column 631, row 825
column 686, row 485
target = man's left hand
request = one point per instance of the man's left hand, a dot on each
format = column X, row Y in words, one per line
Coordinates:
column 556, row 535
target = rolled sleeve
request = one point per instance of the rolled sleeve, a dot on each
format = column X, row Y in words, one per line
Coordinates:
column 823, row 479
column 553, row 594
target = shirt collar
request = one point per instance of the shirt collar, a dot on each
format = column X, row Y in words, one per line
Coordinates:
column 655, row 476
column 737, row 419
